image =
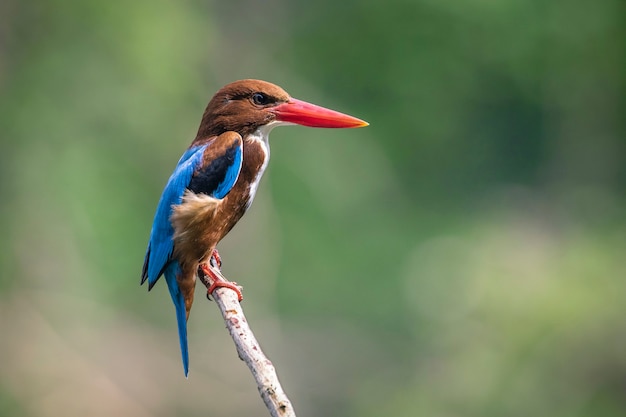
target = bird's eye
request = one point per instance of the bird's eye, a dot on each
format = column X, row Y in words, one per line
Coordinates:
column 260, row 99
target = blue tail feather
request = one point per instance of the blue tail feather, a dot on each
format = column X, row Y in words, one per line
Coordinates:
column 181, row 314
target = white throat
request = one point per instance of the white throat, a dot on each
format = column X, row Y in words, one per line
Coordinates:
column 261, row 136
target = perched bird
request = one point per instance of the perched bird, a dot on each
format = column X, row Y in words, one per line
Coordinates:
column 214, row 183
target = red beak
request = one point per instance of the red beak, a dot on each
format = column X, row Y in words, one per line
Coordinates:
column 307, row 114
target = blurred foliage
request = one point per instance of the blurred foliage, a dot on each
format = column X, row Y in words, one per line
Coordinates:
column 462, row 256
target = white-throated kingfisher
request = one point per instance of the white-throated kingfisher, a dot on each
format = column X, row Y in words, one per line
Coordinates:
column 214, row 183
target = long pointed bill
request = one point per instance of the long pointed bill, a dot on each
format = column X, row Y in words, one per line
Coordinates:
column 307, row 114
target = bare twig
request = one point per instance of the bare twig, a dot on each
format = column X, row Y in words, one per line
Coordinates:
column 248, row 348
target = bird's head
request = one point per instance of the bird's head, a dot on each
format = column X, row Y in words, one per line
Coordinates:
column 245, row 106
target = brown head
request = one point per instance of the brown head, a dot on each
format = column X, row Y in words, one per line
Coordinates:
column 246, row 105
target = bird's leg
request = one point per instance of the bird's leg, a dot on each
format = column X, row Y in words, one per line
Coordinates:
column 219, row 281
column 216, row 260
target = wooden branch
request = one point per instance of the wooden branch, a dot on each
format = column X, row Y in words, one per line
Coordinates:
column 248, row 348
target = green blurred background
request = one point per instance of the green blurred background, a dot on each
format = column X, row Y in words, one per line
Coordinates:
column 462, row 256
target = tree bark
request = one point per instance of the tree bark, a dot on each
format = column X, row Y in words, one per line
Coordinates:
column 248, row 348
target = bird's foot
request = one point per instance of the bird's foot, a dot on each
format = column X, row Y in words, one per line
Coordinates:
column 219, row 281
column 216, row 260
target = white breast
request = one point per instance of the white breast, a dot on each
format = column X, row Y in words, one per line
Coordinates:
column 261, row 136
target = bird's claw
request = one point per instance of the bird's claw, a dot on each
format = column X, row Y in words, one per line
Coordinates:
column 216, row 260
column 226, row 284
column 219, row 281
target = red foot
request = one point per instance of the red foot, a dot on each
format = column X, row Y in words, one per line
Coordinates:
column 216, row 257
column 218, row 281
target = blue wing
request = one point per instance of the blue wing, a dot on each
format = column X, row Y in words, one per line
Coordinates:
column 161, row 244
column 215, row 178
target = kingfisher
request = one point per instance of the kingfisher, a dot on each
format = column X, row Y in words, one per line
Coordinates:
column 214, row 184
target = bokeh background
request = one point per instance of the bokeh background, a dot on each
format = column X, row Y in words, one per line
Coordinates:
column 462, row 256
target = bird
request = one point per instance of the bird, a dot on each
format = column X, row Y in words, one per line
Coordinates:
column 214, row 183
